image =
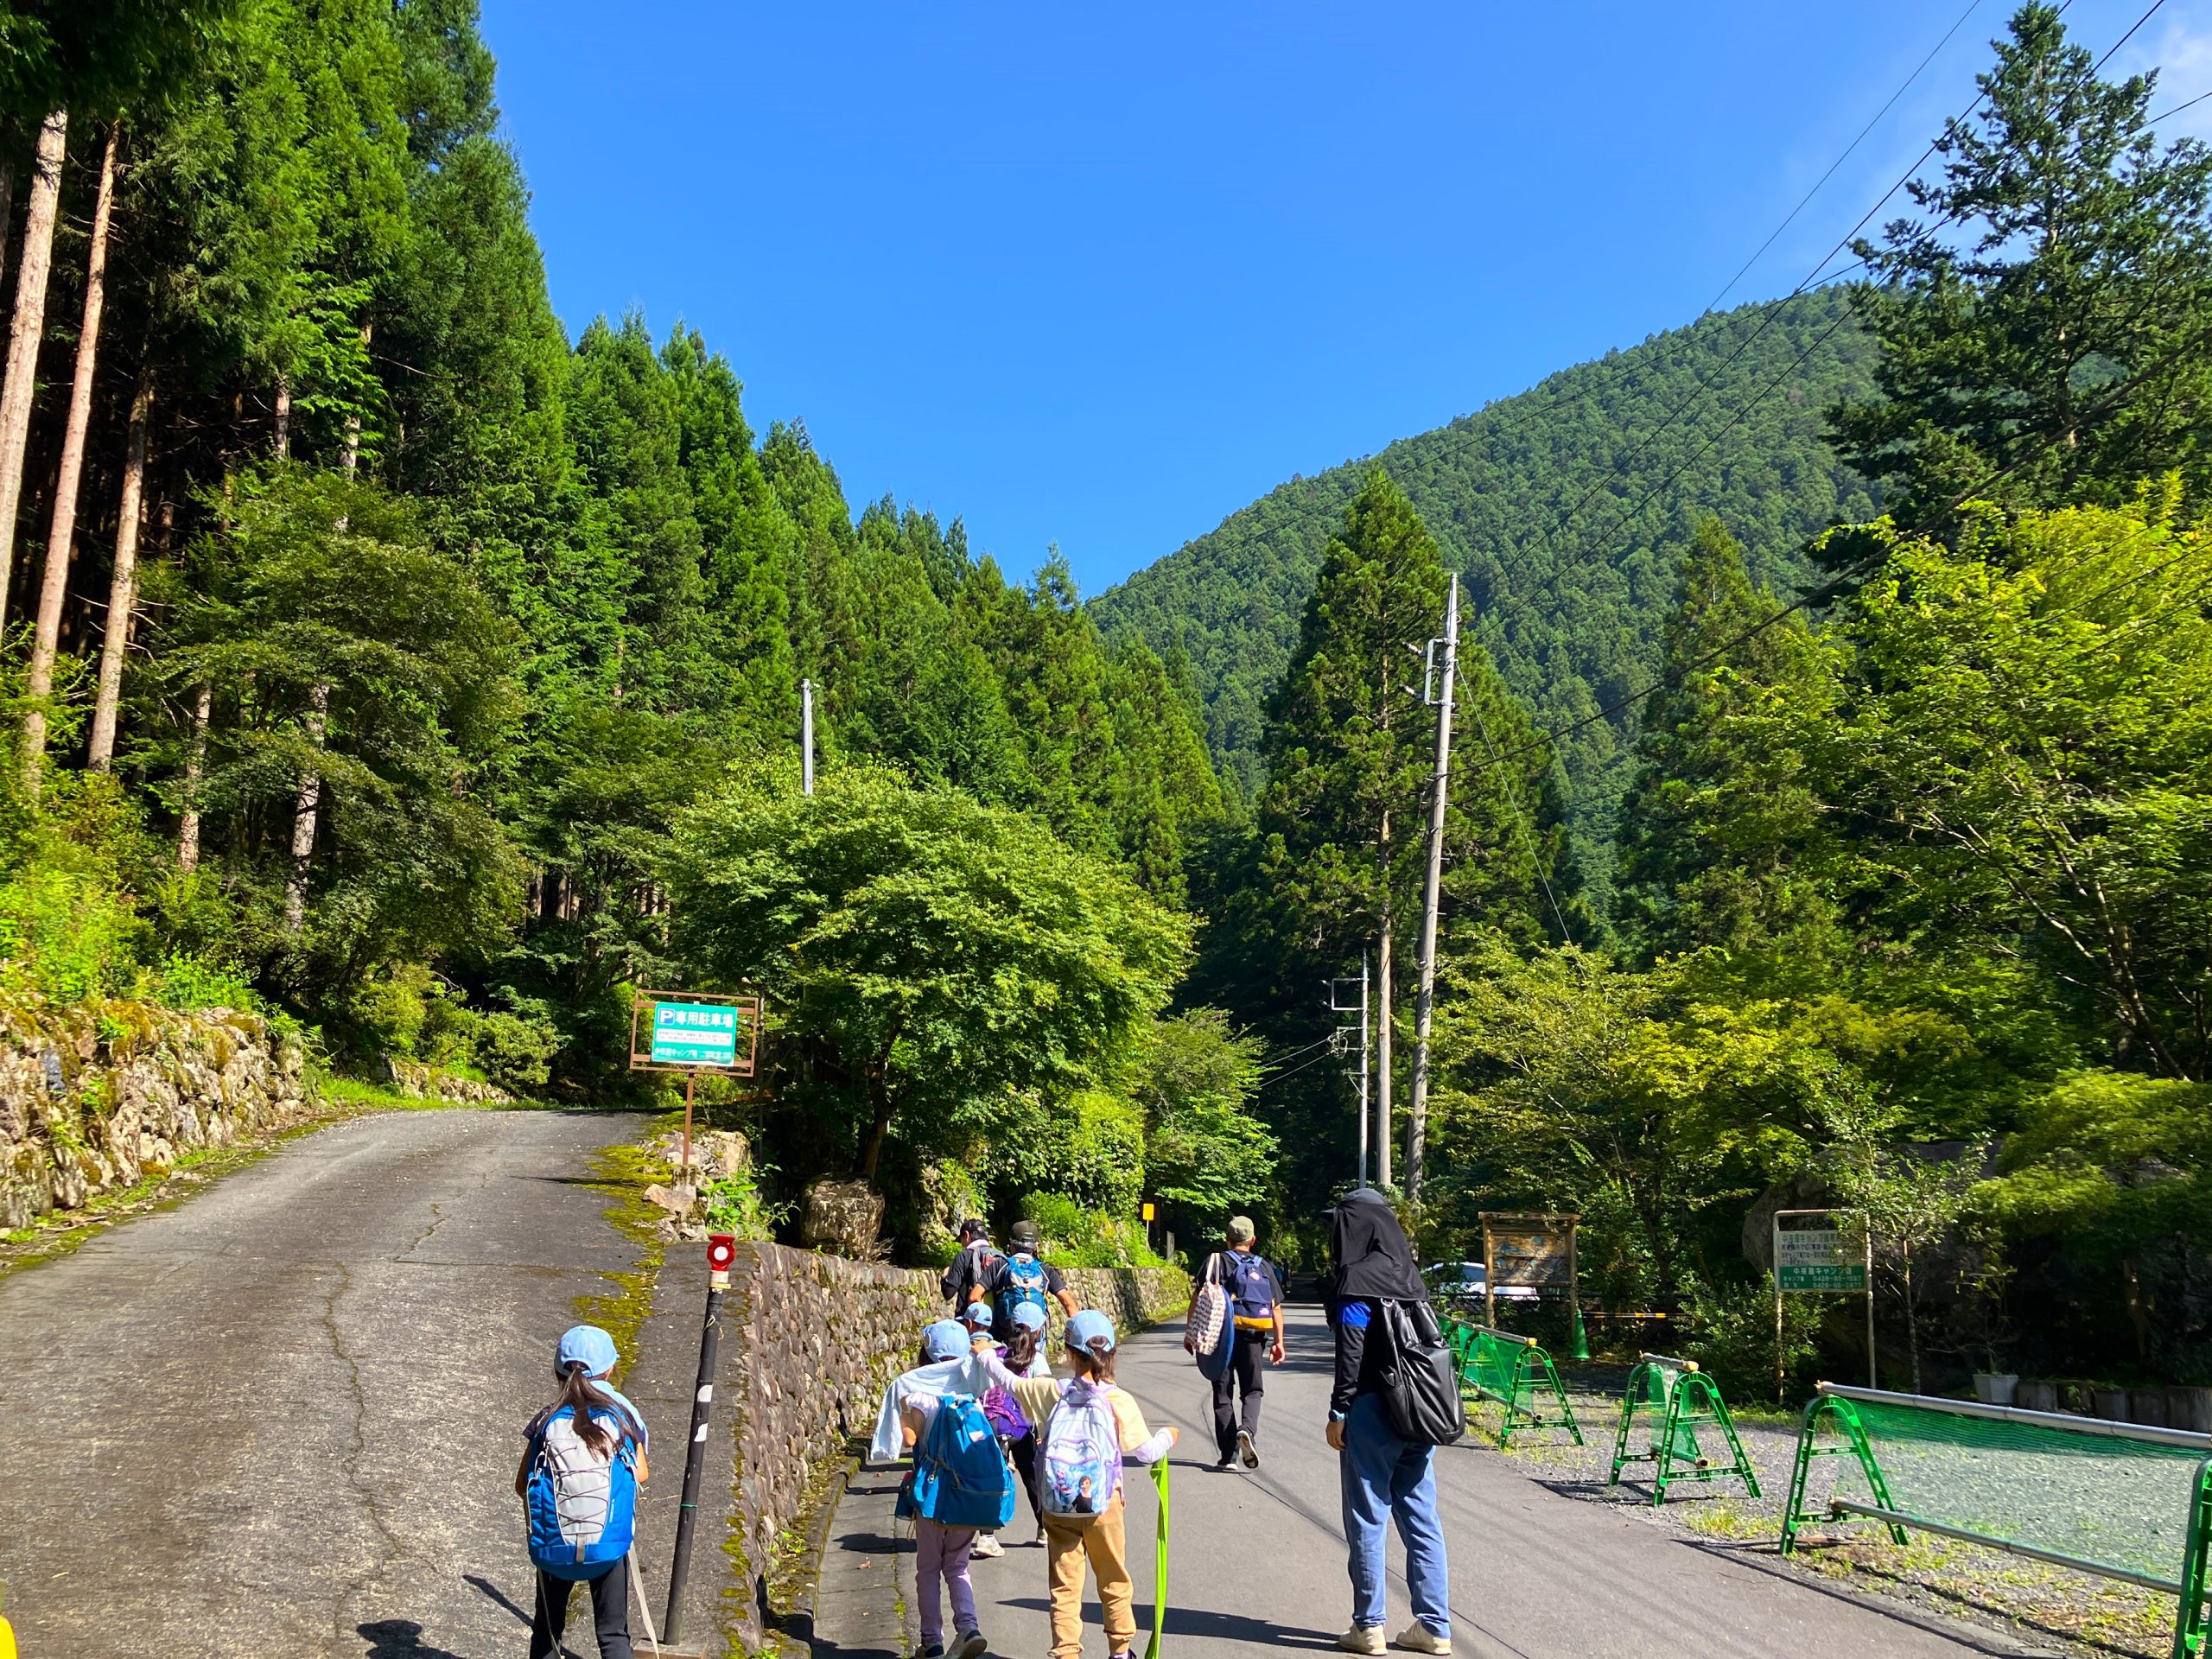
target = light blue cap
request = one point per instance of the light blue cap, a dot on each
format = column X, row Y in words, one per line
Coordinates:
column 977, row 1312
column 590, row 1344
column 1088, row 1327
column 944, row 1339
column 1027, row 1315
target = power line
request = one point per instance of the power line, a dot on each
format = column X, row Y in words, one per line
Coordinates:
column 1960, row 22
column 1843, row 579
column 1773, row 309
column 1818, row 275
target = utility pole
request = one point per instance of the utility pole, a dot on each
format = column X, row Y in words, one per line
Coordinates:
column 1338, row 1006
column 1417, row 1117
column 806, row 737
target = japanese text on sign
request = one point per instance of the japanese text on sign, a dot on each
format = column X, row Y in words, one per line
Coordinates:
column 1818, row 1259
column 693, row 1033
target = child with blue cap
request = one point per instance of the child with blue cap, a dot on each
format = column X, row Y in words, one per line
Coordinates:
column 591, row 1417
column 941, row 1552
column 1100, row 1538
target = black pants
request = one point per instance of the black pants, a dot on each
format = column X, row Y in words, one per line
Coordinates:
column 610, row 1613
column 1244, row 1372
column 1024, row 1453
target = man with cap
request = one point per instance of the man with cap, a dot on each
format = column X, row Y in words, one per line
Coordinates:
column 1256, row 1304
column 968, row 1268
column 1022, row 1279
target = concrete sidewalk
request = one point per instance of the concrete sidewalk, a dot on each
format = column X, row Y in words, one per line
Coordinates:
column 1258, row 1558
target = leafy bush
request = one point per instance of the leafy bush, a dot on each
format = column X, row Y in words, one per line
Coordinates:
column 733, row 1204
column 188, row 983
column 1730, row 1331
column 1076, row 1237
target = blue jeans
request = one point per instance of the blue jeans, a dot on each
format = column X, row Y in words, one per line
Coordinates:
column 1384, row 1477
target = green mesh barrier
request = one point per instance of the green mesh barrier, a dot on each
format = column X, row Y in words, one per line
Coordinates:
column 2112, row 1499
column 1514, row 1374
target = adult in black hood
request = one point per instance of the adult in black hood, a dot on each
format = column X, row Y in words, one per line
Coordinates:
column 1384, row 1477
column 1369, row 1251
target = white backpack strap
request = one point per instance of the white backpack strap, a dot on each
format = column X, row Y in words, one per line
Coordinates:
column 638, row 1586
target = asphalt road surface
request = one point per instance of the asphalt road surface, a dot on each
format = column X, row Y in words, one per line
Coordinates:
column 1258, row 1557
column 283, row 1417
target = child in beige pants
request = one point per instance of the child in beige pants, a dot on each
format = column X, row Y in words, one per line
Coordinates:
column 1102, row 1542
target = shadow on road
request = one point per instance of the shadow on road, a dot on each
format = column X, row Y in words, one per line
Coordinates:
column 1199, row 1622
column 400, row 1638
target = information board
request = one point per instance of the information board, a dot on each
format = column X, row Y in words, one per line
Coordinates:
column 1819, row 1259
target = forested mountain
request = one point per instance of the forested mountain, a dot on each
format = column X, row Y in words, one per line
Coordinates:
column 1558, row 506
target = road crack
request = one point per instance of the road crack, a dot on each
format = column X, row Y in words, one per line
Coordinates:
column 350, row 1464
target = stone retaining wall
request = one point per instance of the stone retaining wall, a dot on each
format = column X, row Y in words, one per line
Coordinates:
column 809, row 1341
column 139, row 1086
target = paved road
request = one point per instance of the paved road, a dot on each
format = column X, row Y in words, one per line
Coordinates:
column 258, row 1424
column 1258, row 1562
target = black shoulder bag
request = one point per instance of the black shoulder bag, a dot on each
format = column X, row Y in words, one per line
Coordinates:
column 1420, row 1379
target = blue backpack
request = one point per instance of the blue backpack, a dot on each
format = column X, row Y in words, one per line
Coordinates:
column 583, row 1506
column 1024, row 1287
column 960, row 1477
column 1252, row 1286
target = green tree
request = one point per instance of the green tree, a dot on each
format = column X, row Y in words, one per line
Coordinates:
column 319, row 581
column 1720, row 806
column 2024, row 769
column 935, row 954
column 1206, row 1156
column 2043, row 322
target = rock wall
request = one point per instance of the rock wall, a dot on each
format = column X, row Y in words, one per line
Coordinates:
column 808, row 1342
column 94, row 1099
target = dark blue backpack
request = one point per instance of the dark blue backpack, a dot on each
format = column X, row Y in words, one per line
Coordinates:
column 1252, row 1286
column 960, row 1477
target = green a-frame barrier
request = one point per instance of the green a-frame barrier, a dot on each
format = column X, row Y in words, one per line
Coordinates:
column 1516, row 1374
column 1674, row 1399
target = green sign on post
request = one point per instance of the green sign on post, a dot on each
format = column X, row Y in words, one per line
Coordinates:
column 695, row 1033
column 1816, row 1259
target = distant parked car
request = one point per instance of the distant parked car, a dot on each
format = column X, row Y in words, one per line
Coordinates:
column 1457, row 1284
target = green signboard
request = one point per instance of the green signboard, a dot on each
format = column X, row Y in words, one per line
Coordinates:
column 1824, row 1258
column 695, row 1033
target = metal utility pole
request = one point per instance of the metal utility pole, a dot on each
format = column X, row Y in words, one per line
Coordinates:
column 1417, row 1117
column 806, row 737
column 1339, row 1007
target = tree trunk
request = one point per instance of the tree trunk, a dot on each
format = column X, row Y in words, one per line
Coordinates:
column 62, row 535
column 304, row 815
column 1912, row 1321
column 195, row 762
column 872, row 1150
column 123, row 587
column 29, row 329
column 281, row 438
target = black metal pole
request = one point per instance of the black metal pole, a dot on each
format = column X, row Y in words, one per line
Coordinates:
column 721, row 1249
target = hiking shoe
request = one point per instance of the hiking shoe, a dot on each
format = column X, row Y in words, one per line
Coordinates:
column 969, row 1644
column 930, row 1650
column 1417, row 1638
column 1246, row 1450
column 986, row 1545
column 1228, row 1460
column 1361, row 1638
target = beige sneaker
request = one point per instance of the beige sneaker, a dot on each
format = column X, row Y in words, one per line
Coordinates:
column 986, row 1545
column 1417, row 1638
column 1361, row 1638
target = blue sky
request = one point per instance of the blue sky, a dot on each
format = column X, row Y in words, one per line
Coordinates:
column 1100, row 276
